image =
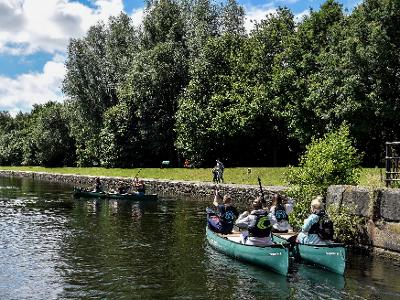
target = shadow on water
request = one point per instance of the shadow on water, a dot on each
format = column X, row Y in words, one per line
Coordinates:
column 239, row 280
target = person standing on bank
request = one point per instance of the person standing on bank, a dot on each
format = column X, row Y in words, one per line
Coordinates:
column 280, row 213
column 258, row 224
column 226, row 215
column 310, row 231
column 221, row 168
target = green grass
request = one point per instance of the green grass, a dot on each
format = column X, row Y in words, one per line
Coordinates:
column 269, row 176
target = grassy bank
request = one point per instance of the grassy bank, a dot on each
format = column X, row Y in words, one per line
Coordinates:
column 269, row 176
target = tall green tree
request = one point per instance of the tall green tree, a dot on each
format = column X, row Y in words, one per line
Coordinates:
column 227, row 100
column 96, row 66
column 156, row 78
column 297, row 64
column 233, row 18
column 49, row 137
column 358, row 81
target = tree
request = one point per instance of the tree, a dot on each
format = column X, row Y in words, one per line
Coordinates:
column 233, row 18
column 162, row 23
column 119, row 137
column 295, row 66
column 227, row 100
column 358, row 81
column 49, row 137
column 96, row 66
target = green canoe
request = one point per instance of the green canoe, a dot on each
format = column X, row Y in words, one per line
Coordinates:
column 137, row 197
column 331, row 256
column 275, row 257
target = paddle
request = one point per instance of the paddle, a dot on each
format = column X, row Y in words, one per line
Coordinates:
column 138, row 173
column 263, row 201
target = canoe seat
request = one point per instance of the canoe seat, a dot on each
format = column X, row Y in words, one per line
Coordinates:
column 234, row 237
column 285, row 235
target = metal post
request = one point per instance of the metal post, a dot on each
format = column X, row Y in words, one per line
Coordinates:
column 387, row 161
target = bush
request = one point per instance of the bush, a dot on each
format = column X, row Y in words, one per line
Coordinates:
column 346, row 224
column 327, row 161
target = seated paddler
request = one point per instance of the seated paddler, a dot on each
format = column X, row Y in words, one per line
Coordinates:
column 138, row 187
column 317, row 228
column 256, row 225
column 226, row 214
column 98, row 187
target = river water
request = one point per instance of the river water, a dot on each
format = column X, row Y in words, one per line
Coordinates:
column 53, row 246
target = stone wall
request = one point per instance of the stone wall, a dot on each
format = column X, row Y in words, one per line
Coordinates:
column 199, row 190
column 381, row 209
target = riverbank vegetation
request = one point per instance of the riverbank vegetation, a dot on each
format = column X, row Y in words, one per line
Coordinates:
column 191, row 83
column 330, row 160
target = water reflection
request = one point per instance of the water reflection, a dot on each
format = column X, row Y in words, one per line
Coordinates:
column 241, row 280
column 53, row 246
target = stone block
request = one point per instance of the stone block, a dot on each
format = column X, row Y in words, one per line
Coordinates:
column 350, row 196
column 385, row 235
column 335, row 194
column 390, row 204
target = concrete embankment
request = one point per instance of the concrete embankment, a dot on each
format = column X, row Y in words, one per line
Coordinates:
column 380, row 208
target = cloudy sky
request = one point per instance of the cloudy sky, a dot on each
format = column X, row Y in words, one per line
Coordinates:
column 34, row 35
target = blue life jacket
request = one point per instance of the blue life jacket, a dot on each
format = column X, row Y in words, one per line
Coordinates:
column 280, row 213
column 261, row 227
column 228, row 215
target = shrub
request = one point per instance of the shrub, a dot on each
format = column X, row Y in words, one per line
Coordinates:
column 327, row 161
column 346, row 224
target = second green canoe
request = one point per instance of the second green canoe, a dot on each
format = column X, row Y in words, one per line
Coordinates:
column 331, row 256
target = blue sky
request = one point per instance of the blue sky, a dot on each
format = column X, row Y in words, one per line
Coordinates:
column 34, row 37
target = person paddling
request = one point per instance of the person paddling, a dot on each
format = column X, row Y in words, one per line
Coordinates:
column 258, row 224
column 138, row 186
column 280, row 212
column 226, row 215
column 98, row 188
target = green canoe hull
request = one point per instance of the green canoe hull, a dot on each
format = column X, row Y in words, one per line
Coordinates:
column 331, row 257
column 88, row 194
column 274, row 258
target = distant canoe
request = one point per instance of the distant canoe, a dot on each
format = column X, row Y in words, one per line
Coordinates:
column 274, row 258
column 331, row 256
column 137, row 197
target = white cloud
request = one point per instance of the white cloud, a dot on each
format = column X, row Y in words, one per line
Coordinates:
column 254, row 14
column 300, row 16
column 33, row 88
column 28, row 26
column 137, row 17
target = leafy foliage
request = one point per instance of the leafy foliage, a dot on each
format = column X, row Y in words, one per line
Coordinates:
column 330, row 160
column 346, row 223
column 191, row 83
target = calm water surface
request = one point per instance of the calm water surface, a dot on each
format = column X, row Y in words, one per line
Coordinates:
column 53, row 246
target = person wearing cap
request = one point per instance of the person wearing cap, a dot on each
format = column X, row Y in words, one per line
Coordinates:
column 257, row 225
column 226, row 215
column 310, row 229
